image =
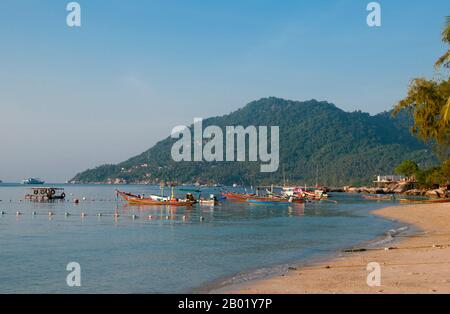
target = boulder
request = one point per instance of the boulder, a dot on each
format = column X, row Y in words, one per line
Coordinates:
column 353, row 190
column 415, row 192
column 401, row 187
column 432, row 193
column 364, row 189
column 375, row 191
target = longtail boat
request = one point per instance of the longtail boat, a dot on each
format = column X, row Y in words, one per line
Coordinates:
column 316, row 195
column 159, row 201
column 212, row 201
column 438, row 201
column 273, row 200
column 378, row 198
column 298, row 192
column 208, row 202
column 237, row 196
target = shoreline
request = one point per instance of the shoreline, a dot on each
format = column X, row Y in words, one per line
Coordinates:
column 267, row 272
column 417, row 262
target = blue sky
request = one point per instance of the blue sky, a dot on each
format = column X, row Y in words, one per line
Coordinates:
column 71, row 99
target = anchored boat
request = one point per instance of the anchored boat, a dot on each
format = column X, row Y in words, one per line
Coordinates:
column 46, row 194
column 378, row 198
column 211, row 202
column 271, row 200
column 315, row 195
column 445, row 200
column 154, row 200
column 237, row 196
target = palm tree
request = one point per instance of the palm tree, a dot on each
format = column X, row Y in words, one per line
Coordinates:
column 429, row 102
column 445, row 62
column 445, row 59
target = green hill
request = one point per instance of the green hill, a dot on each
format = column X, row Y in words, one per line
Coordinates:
column 315, row 137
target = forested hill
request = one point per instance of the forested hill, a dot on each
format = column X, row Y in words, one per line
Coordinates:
column 315, row 138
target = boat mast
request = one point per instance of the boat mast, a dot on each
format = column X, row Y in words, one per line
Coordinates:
column 317, row 176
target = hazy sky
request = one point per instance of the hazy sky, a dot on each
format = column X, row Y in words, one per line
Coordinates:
column 72, row 99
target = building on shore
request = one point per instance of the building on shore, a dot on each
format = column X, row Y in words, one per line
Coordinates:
column 382, row 181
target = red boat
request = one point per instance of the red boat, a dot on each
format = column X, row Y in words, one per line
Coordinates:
column 136, row 200
column 237, row 196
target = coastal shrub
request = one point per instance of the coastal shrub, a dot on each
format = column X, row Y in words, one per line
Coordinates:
column 407, row 168
column 434, row 177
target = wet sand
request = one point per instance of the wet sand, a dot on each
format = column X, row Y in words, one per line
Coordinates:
column 418, row 263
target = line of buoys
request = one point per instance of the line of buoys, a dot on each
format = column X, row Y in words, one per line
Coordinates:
column 99, row 215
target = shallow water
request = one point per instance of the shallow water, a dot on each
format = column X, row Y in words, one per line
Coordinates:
column 165, row 254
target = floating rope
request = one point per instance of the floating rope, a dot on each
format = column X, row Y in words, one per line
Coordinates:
column 100, row 215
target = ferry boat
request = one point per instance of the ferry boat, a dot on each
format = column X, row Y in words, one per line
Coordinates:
column 33, row 181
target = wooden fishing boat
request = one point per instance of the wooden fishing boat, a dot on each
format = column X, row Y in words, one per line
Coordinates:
column 378, row 198
column 298, row 192
column 316, row 195
column 156, row 201
column 46, row 194
column 273, row 200
column 437, row 201
column 208, row 202
column 212, row 201
column 237, row 196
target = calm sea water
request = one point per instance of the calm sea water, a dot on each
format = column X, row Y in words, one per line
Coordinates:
column 166, row 254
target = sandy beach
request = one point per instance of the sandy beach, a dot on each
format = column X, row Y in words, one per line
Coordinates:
column 418, row 263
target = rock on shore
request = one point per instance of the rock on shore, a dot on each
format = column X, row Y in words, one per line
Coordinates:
column 405, row 188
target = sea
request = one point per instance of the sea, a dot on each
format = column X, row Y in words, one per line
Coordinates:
column 148, row 249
